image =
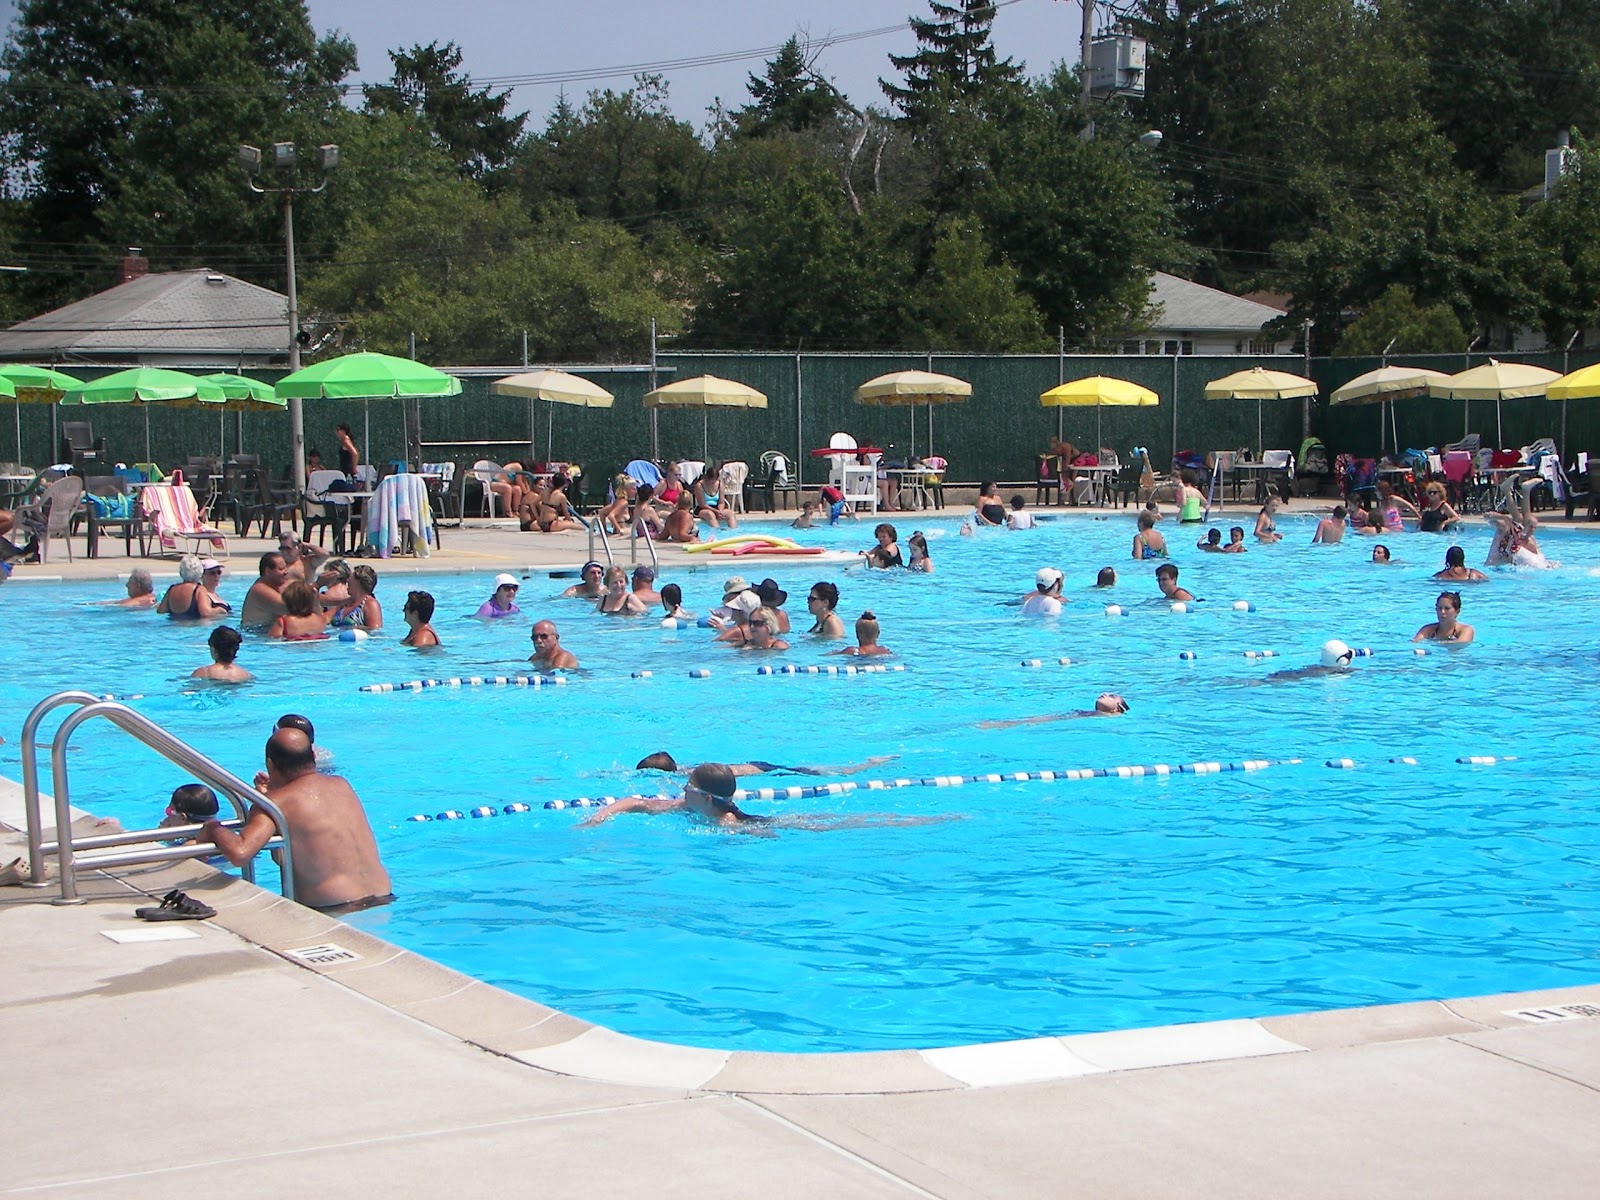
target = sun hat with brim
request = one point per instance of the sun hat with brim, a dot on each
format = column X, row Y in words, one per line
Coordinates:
column 746, row 602
column 504, row 580
column 771, row 594
column 734, row 586
column 210, row 564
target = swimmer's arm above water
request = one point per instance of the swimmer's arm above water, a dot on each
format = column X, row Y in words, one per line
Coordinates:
column 649, row 805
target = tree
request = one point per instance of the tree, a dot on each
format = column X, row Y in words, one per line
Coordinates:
column 798, row 266
column 623, row 157
column 471, row 126
column 468, row 273
column 955, row 86
column 1396, row 324
column 1084, row 223
column 970, row 298
column 790, row 97
column 1566, row 231
column 119, row 124
column 1504, row 75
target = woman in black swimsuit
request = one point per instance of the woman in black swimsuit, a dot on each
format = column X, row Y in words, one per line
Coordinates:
column 189, row 600
column 886, row 553
column 618, row 601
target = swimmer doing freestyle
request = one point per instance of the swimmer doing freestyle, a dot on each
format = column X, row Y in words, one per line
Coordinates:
column 708, row 796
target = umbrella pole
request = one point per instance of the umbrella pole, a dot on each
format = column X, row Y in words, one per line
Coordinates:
column 18, row 407
column 1394, row 426
column 1260, row 441
column 1382, row 405
column 366, row 431
column 914, row 429
column 1499, row 426
column 222, row 435
column 550, row 431
column 146, row 432
column 705, row 435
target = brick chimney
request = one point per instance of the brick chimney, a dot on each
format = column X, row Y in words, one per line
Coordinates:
column 134, row 264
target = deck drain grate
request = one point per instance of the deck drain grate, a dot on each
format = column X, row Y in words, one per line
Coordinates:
column 324, row 955
column 1555, row 1012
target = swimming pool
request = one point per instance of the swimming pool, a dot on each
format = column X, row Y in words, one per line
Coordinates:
column 1040, row 907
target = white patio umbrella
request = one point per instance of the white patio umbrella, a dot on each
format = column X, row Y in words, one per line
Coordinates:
column 1382, row 386
column 1260, row 384
column 705, row 392
column 1497, row 381
column 556, row 387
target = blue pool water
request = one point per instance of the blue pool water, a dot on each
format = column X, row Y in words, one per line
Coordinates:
column 1038, row 908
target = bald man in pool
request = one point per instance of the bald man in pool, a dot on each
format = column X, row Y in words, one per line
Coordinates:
column 336, row 864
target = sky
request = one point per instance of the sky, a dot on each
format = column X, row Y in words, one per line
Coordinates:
column 502, row 39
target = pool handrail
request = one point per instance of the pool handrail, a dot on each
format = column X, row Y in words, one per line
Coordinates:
column 239, row 793
column 592, row 525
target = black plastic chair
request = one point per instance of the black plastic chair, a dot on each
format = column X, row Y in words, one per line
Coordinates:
column 1126, row 486
column 255, row 499
column 133, row 525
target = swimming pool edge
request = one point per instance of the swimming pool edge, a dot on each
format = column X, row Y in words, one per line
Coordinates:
column 547, row 1039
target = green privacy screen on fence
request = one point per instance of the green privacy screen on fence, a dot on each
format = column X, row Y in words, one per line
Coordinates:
column 993, row 435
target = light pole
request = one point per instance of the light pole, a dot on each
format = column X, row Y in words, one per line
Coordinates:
column 283, row 161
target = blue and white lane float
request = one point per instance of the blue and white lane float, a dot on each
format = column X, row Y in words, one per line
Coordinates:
column 867, row 669
column 462, row 681
column 1154, row 771
column 1191, row 655
column 1035, row 663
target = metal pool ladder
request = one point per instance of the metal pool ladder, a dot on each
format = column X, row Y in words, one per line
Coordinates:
column 146, row 845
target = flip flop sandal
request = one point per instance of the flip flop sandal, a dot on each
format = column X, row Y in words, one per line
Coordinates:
column 176, row 906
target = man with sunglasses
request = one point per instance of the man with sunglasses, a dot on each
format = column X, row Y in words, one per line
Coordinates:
column 548, row 653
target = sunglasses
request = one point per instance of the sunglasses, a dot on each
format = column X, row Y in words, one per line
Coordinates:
column 758, row 624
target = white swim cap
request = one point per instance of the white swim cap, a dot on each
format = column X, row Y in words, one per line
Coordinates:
column 1335, row 652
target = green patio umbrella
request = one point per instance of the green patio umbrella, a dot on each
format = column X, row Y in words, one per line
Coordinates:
column 144, row 385
column 366, row 376
column 363, row 375
column 242, row 395
column 31, row 385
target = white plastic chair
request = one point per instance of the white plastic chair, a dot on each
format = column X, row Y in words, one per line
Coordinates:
column 690, row 470
column 485, row 472
column 734, row 475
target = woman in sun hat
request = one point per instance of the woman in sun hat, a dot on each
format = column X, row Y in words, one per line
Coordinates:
column 773, row 596
column 503, row 603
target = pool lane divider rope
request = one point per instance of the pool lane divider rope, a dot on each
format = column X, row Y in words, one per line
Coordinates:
column 418, row 685
column 1466, row 760
column 1157, row 771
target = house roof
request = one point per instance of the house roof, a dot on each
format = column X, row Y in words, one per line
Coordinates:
column 1186, row 307
column 201, row 313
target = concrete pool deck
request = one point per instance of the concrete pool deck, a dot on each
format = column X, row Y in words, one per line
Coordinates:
column 273, row 1050
column 218, row 1062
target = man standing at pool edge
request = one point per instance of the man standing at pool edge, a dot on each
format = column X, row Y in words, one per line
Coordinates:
column 336, row 864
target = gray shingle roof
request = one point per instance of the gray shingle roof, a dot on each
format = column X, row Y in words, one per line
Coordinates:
column 1185, row 307
column 201, row 313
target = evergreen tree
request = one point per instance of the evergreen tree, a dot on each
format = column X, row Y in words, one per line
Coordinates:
column 789, row 97
column 955, row 64
column 471, row 126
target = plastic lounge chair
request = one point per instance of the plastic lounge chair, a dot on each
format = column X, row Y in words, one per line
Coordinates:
column 50, row 516
column 483, row 472
column 1578, row 486
column 321, row 511
column 1280, row 466
column 175, row 517
column 645, row 473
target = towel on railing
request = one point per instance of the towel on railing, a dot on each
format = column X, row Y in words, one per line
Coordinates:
column 400, row 500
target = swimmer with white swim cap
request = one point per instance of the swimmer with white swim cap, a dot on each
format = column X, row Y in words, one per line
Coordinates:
column 1336, row 660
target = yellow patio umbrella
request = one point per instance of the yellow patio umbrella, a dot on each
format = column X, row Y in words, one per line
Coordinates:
column 705, row 392
column 913, row 389
column 1497, row 381
column 1383, row 385
column 1260, row 384
column 557, row 387
column 1097, row 392
column 1582, row 384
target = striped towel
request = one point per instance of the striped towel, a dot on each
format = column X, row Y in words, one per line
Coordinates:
column 173, row 514
column 399, row 501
